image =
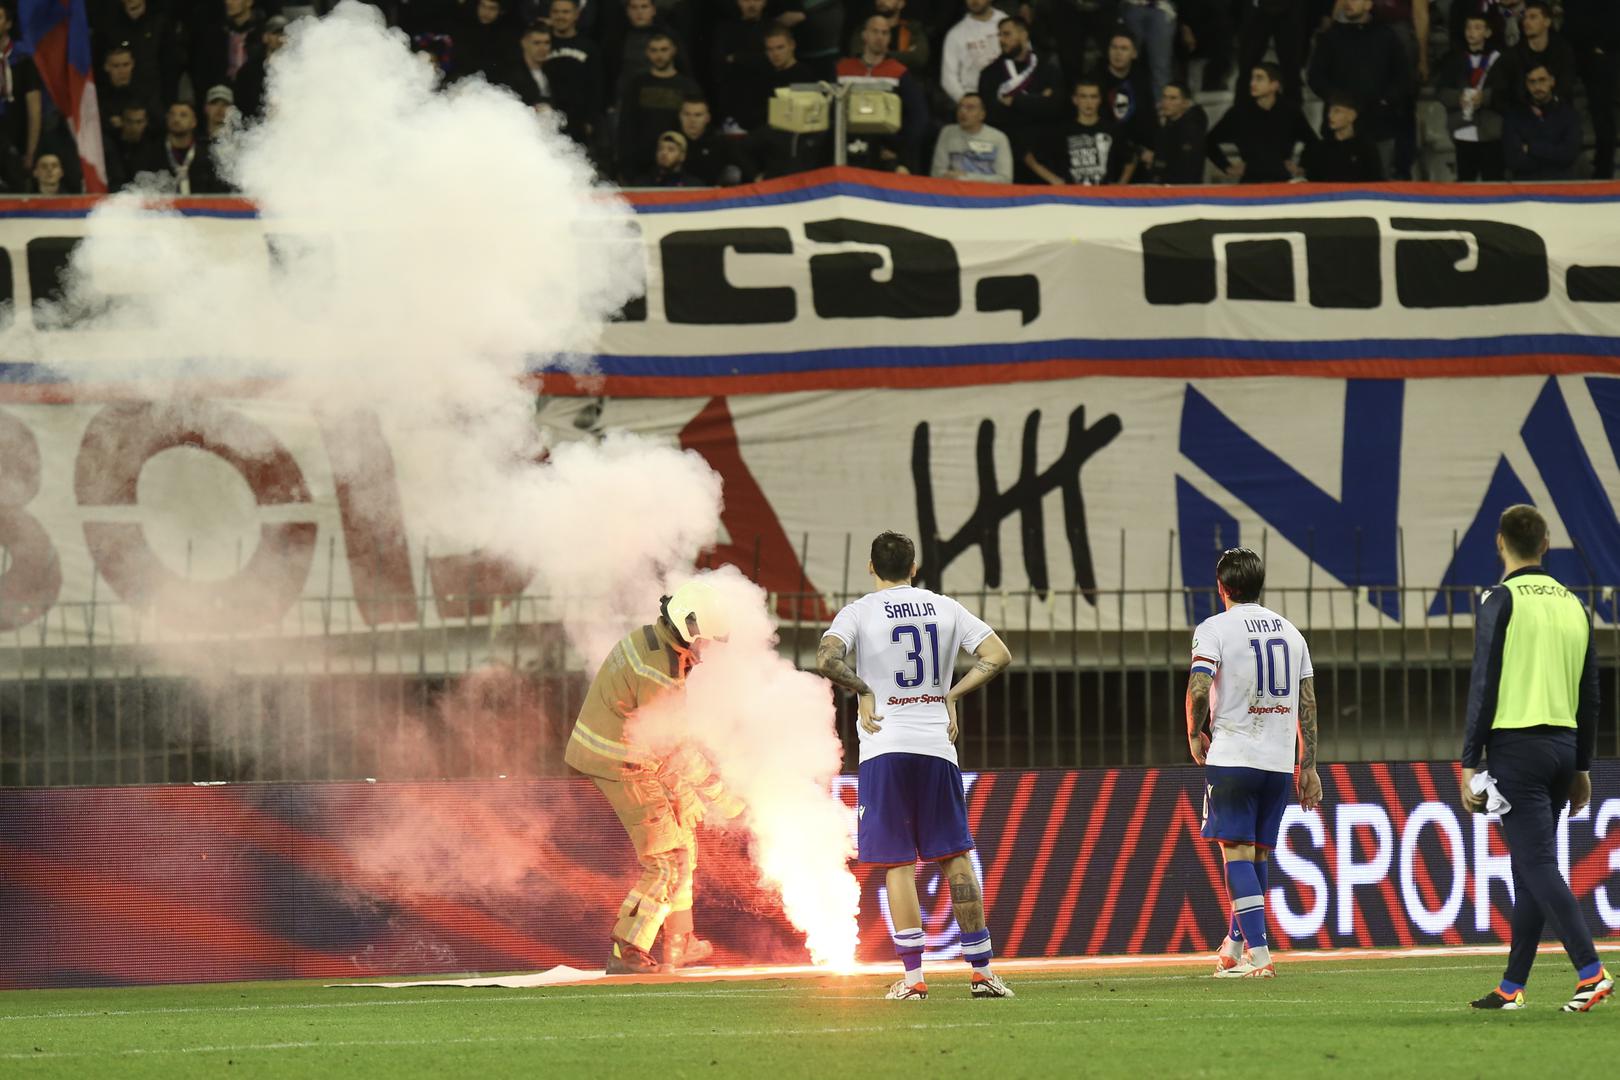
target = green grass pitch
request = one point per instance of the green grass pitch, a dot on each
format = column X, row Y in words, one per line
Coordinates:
column 1403, row 1017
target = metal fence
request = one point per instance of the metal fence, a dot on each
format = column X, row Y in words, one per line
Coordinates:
column 94, row 694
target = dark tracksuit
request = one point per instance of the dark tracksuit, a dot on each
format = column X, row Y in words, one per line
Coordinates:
column 1532, row 710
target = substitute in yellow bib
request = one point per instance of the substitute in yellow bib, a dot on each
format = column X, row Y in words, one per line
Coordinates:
column 1532, row 715
column 659, row 798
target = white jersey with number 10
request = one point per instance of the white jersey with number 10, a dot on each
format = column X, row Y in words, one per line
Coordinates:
column 905, row 642
column 1257, row 659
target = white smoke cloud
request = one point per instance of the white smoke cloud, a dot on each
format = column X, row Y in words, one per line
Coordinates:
column 428, row 246
column 770, row 732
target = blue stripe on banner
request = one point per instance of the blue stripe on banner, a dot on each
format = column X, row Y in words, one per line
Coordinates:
column 945, row 356
column 1038, row 197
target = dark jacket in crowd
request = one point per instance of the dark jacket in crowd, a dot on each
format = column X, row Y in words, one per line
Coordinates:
column 1264, row 137
column 1129, row 100
column 211, row 49
column 1367, row 62
column 740, row 73
column 1343, row 161
column 1558, row 58
column 1542, row 144
column 649, row 106
column 1178, row 148
column 575, row 71
column 1039, row 103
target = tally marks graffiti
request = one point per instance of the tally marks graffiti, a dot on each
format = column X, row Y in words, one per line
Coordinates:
column 982, row 529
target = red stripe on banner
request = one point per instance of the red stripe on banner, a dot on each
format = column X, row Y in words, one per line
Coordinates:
column 230, row 816
column 1397, row 917
column 1420, row 869
column 982, row 787
column 1082, row 863
column 130, row 915
column 911, row 378
column 1431, row 793
column 1182, row 822
column 1037, row 874
column 1187, row 929
column 1218, row 193
column 1009, row 838
column 1133, row 833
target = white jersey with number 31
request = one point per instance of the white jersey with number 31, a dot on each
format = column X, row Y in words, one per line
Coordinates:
column 1257, row 659
column 905, row 642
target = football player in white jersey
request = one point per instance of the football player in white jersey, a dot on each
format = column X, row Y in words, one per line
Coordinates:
column 1251, row 676
column 912, row 807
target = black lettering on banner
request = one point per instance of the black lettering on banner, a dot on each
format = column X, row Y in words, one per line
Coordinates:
column 48, row 258
column 1011, row 292
column 695, row 285
column 982, row 529
column 1509, row 267
column 925, row 280
column 1594, row 284
column 1260, row 270
column 1341, row 261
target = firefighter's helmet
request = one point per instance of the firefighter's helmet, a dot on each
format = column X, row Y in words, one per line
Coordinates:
column 697, row 612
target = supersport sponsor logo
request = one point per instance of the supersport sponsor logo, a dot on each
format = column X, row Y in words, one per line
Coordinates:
column 1268, row 710
column 918, row 699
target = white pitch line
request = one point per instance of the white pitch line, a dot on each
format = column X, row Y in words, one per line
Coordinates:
column 1174, row 1016
column 552, row 995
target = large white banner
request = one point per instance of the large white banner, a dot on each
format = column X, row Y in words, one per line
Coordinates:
column 239, row 508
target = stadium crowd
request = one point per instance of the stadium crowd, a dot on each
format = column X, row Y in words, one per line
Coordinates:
column 669, row 93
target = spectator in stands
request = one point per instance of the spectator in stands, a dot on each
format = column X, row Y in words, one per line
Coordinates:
column 220, row 48
column 1267, row 131
column 144, row 30
column 219, row 112
column 642, row 23
column 1363, row 60
column 1153, row 24
column 781, row 52
column 1409, row 20
column 970, row 149
column 1089, row 150
column 250, row 80
column 874, row 65
column 22, row 106
column 1021, row 94
column 1207, row 34
column 133, row 149
column 527, row 78
column 48, row 176
column 1593, row 27
column 669, row 165
column 575, row 72
column 818, row 32
column 739, row 68
column 122, row 84
column 483, row 41
column 908, row 39
column 650, row 104
column 970, row 46
column 1176, row 155
column 183, row 157
column 1345, row 156
column 1541, row 138
column 1539, row 46
column 709, row 156
column 1470, row 87
column 1279, row 23
column 1503, row 16
column 1127, row 90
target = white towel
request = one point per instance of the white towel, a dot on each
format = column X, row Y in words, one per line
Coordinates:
column 1484, row 783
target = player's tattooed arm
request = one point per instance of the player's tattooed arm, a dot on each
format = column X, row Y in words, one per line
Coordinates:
column 1307, row 723
column 991, row 659
column 1198, row 685
column 831, row 662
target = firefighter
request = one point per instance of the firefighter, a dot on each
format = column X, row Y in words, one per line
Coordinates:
column 659, row 797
